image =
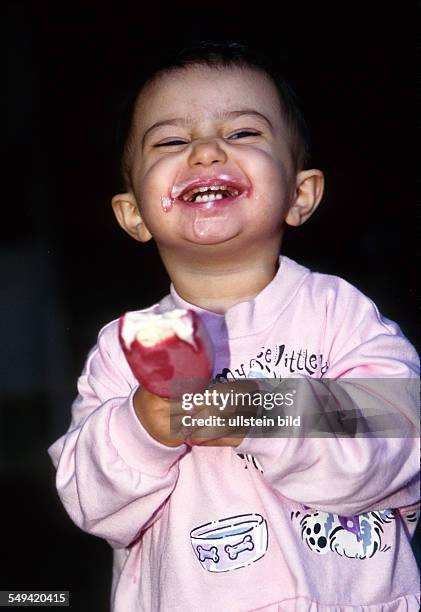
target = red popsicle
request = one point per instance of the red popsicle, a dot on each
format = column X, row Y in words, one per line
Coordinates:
column 169, row 353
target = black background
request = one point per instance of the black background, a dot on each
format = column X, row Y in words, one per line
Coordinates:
column 68, row 268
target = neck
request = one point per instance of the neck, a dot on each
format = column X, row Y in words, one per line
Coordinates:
column 216, row 285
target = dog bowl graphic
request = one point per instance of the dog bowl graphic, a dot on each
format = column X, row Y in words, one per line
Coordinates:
column 230, row 543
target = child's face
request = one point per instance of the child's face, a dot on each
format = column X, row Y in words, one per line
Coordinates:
column 207, row 142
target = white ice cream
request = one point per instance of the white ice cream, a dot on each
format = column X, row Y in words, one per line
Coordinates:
column 149, row 329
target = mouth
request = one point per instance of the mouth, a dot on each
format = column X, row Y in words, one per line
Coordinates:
column 212, row 192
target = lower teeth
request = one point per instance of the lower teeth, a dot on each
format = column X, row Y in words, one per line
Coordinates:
column 211, row 198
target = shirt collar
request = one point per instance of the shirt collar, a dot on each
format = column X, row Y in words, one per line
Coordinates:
column 250, row 316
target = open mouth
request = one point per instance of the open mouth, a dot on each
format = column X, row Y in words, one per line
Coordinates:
column 206, row 196
column 210, row 194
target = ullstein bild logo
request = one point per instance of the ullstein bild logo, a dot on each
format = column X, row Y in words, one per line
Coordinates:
column 240, row 421
column 303, row 407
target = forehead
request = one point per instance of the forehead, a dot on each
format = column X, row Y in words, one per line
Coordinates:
column 202, row 93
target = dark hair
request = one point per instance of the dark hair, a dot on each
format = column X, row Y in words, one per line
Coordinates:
column 216, row 55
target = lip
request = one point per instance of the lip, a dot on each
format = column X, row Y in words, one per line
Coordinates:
column 222, row 179
column 215, row 203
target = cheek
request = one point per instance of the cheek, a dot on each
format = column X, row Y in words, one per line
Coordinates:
column 267, row 166
column 157, row 181
column 271, row 179
column 271, row 195
column 150, row 188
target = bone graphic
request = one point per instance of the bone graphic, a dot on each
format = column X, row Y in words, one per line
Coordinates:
column 234, row 550
column 205, row 553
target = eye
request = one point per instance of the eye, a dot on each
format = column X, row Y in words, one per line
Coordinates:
column 248, row 132
column 170, row 143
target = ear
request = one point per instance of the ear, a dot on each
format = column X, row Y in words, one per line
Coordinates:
column 128, row 215
column 308, row 193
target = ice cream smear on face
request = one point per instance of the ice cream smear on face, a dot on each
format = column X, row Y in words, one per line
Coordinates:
column 166, row 203
column 151, row 329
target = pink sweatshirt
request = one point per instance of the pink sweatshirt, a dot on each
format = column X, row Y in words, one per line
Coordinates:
column 288, row 523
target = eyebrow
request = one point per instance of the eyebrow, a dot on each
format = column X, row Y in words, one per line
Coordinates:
column 220, row 116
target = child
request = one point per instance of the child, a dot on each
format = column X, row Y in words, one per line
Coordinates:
column 230, row 523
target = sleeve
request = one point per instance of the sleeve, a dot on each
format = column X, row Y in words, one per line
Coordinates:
column 113, row 478
column 375, row 370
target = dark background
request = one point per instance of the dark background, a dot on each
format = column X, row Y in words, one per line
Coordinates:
column 67, row 267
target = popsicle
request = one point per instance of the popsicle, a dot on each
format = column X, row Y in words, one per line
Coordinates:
column 169, row 353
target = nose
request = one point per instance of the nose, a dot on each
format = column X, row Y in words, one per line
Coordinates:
column 206, row 153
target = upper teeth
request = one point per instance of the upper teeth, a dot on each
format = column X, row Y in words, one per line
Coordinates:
column 205, row 198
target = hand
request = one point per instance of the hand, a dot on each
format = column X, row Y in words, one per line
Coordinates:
column 224, row 432
column 162, row 418
column 154, row 412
